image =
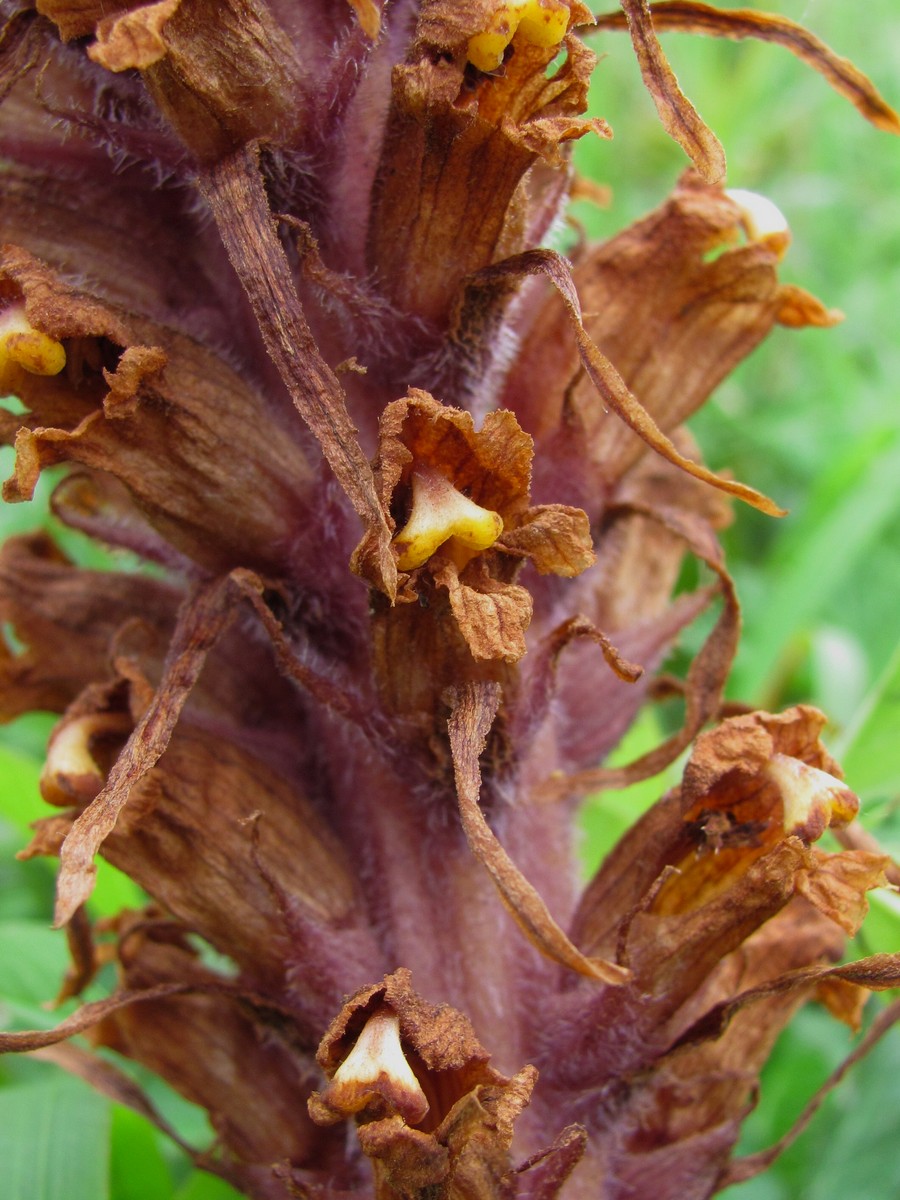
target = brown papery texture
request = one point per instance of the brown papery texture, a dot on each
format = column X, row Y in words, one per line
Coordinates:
column 402, row 500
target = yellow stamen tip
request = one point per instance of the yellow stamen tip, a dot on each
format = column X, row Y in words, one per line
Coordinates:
column 537, row 22
column 439, row 513
column 763, row 220
column 23, row 345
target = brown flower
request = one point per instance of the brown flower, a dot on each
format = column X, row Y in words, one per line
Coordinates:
column 460, row 502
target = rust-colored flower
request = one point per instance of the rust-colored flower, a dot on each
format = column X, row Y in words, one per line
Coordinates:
column 417, row 493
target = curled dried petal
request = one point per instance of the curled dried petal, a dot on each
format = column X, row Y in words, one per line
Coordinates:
column 474, row 708
column 688, row 16
column 607, row 379
column 679, row 117
column 204, row 618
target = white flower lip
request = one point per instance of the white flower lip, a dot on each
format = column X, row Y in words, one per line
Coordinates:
column 762, row 219
column 376, row 1070
column 813, row 800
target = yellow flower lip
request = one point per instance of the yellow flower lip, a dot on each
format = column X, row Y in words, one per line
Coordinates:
column 537, row 22
column 376, row 1073
column 24, row 346
column 813, row 800
column 762, row 219
column 440, row 512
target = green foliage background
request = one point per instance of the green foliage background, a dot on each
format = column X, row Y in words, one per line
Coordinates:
column 812, row 419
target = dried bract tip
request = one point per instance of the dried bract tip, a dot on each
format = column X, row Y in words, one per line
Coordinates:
column 368, row 14
column 374, row 1076
column 813, row 800
column 537, row 22
column 441, row 513
column 762, row 219
column 24, row 346
column 71, row 772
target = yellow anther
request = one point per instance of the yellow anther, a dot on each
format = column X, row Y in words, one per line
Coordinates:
column 376, row 1074
column 440, row 512
column 763, row 220
column 537, row 22
column 23, row 345
column 813, row 800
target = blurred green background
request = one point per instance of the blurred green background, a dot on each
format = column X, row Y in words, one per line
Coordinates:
column 812, row 419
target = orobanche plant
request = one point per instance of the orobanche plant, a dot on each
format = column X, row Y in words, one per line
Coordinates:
column 277, row 295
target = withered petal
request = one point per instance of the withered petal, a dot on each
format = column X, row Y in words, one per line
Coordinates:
column 845, row 1001
column 797, row 309
column 406, row 1158
column 190, row 440
column 133, row 40
column 706, row 675
column 492, row 616
column 440, row 1035
column 492, row 466
column 234, row 190
column 556, row 538
column 836, row 884
column 474, row 709
column 686, row 16
column 450, row 194
column 720, row 855
column 679, row 117
column 203, row 619
column 608, row 381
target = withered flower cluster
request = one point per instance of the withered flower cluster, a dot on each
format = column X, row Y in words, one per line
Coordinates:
column 275, row 294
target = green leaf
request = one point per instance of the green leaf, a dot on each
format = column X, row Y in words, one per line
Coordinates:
column 869, row 750
column 137, row 1166
column 21, row 805
column 858, row 1158
column 20, row 801
column 34, row 958
column 201, row 1186
column 113, row 891
column 853, row 503
column 880, row 932
column 54, row 1141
